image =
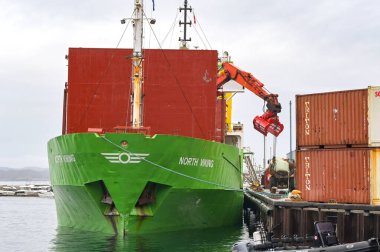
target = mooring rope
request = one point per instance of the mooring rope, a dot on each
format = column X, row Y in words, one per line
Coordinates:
column 172, row 171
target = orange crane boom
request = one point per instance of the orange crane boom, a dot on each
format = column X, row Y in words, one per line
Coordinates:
column 269, row 121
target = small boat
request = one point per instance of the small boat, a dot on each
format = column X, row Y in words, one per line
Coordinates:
column 7, row 191
column 32, row 190
column 325, row 239
column 26, row 190
column 47, row 194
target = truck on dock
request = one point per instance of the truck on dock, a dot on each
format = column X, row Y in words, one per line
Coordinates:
column 280, row 174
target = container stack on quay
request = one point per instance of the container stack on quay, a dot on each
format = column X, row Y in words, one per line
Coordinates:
column 338, row 168
column 338, row 146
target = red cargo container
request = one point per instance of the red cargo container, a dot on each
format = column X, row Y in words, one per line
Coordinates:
column 349, row 175
column 338, row 118
column 179, row 91
column 220, row 119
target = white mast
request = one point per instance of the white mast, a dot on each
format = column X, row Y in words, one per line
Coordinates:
column 137, row 59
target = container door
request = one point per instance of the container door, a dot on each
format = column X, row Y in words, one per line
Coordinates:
column 374, row 115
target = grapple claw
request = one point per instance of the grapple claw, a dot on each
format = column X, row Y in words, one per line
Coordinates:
column 268, row 123
column 275, row 128
column 261, row 125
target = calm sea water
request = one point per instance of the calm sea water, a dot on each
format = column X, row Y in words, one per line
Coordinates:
column 29, row 224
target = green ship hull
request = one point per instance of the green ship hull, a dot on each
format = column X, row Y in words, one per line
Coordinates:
column 123, row 183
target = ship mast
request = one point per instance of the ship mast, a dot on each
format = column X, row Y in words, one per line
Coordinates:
column 185, row 23
column 137, row 59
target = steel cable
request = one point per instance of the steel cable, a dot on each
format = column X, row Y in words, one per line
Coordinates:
column 177, row 82
column 103, row 75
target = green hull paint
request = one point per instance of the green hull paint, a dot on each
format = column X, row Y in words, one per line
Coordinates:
column 129, row 183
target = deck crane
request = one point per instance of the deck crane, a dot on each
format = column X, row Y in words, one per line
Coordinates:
column 269, row 121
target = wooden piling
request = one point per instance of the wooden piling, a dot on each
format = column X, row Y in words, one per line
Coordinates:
column 353, row 222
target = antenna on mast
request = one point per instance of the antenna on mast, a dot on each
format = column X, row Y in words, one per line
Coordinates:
column 185, row 23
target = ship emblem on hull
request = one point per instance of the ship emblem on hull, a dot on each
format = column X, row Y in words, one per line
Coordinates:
column 125, row 158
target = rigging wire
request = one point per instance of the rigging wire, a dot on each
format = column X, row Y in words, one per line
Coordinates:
column 177, row 81
column 103, row 74
column 171, row 28
column 172, row 33
column 175, row 77
column 203, row 32
column 171, row 39
column 150, row 32
column 126, row 27
column 200, row 38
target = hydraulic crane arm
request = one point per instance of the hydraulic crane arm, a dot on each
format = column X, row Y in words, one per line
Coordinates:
column 269, row 121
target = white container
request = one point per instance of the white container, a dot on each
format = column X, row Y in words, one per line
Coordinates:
column 374, row 115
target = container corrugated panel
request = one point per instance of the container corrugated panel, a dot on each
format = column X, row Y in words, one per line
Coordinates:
column 179, row 91
column 335, row 118
column 374, row 115
column 98, row 88
column 348, row 175
column 220, row 119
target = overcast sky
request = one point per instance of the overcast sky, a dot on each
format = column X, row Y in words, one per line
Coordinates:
column 292, row 46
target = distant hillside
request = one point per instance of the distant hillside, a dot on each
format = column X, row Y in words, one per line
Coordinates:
column 24, row 174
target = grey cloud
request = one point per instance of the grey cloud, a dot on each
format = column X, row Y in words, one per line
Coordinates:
column 293, row 46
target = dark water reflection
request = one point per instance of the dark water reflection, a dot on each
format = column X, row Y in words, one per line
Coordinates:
column 218, row 239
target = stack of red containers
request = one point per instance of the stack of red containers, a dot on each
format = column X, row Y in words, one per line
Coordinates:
column 338, row 146
column 179, row 92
